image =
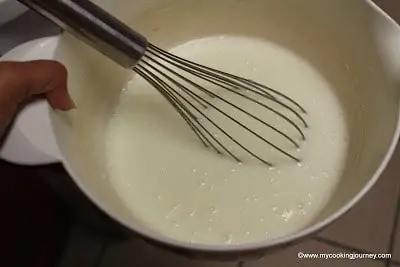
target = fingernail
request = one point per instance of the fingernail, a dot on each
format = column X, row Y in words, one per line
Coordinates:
column 72, row 103
column 66, row 105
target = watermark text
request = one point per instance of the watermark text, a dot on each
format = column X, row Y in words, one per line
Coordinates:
column 344, row 256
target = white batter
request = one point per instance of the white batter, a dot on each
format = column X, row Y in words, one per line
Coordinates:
column 177, row 187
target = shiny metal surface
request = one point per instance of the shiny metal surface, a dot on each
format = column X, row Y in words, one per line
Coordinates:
column 178, row 80
column 125, row 46
column 94, row 26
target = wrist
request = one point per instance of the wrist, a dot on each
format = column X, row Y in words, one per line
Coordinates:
column 12, row 92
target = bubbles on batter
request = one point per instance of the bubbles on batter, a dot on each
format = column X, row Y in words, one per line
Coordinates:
column 214, row 210
column 287, row 214
column 299, row 164
column 228, row 238
column 253, row 199
column 202, row 183
column 174, row 208
column 324, row 174
column 310, row 198
column 300, row 207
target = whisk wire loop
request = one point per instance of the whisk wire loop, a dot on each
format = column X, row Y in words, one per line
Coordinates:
column 168, row 93
column 175, row 79
column 219, row 82
column 228, row 78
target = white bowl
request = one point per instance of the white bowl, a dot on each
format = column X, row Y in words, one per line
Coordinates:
column 9, row 10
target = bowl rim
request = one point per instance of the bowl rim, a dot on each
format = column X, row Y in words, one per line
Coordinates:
column 7, row 15
column 254, row 246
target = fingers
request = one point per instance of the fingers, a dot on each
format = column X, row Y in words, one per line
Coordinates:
column 24, row 79
column 51, row 79
column 60, row 99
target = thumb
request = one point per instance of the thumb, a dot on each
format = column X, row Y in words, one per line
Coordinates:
column 39, row 77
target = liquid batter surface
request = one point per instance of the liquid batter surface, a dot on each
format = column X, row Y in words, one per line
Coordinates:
column 165, row 176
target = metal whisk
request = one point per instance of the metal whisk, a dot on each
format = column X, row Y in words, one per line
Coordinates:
column 185, row 84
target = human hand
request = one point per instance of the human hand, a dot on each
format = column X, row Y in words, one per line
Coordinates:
column 21, row 80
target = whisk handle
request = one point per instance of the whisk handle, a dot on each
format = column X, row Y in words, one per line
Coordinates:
column 95, row 26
